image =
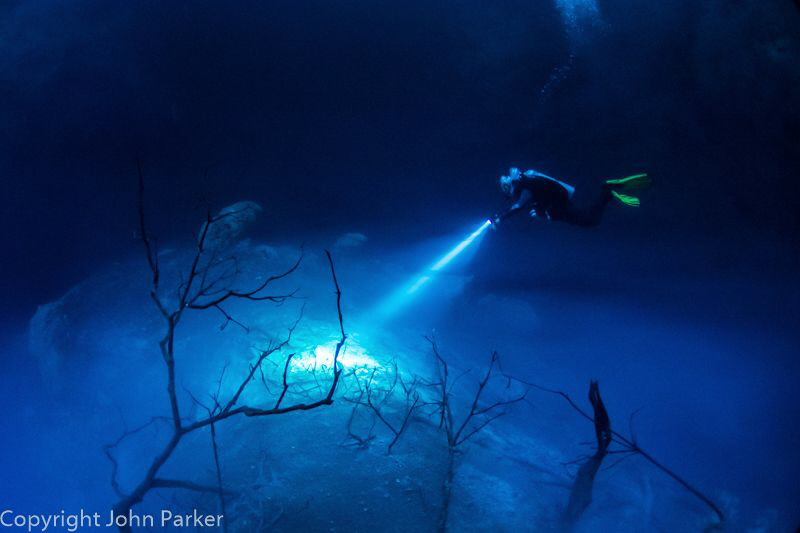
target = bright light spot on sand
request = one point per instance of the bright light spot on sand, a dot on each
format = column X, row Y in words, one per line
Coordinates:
column 352, row 356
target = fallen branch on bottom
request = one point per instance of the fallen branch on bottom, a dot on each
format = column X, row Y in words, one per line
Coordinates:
column 629, row 446
column 581, row 494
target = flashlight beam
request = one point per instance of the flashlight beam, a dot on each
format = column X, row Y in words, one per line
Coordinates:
column 443, row 262
column 448, row 258
column 404, row 295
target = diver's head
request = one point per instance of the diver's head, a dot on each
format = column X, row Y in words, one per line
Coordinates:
column 507, row 182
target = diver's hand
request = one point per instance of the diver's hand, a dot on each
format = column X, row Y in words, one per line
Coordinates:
column 495, row 221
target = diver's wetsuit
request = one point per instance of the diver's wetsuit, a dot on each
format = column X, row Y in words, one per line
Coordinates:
column 546, row 196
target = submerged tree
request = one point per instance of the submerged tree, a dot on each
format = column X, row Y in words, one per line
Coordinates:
column 209, row 284
column 395, row 401
column 375, row 398
column 458, row 432
column 581, row 493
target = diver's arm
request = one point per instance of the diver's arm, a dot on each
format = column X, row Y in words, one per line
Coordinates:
column 511, row 211
column 521, row 201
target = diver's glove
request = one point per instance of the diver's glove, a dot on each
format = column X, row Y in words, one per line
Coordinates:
column 495, row 221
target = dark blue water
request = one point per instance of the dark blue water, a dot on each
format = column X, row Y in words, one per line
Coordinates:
column 378, row 131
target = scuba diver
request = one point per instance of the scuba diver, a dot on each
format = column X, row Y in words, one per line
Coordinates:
column 546, row 197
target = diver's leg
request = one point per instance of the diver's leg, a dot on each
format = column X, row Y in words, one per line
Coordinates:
column 588, row 215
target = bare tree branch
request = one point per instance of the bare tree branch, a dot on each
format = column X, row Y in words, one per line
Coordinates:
column 191, row 290
column 264, row 354
column 285, row 382
column 581, row 494
column 361, row 442
column 475, row 420
column 253, row 294
column 151, row 253
column 159, row 483
column 229, row 318
column 220, row 489
column 630, row 445
column 410, row 396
